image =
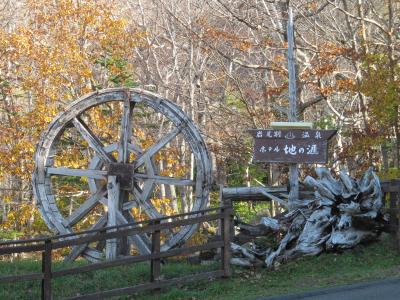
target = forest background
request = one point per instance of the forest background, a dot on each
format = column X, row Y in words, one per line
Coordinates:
column 222, row 61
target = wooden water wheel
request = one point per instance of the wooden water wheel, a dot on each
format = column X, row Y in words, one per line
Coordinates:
column 117, row 171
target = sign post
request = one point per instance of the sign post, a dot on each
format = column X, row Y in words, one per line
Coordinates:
column 293, row 168
column 291, row 142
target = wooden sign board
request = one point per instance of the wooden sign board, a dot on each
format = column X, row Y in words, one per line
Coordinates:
column 291, row 145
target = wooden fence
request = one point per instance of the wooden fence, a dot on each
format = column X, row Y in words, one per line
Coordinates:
column 152, row 227
column 391, row 190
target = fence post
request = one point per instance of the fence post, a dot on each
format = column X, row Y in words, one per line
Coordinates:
column 226, row 236
column 155, row 249
column 393, row 204
column 46, row 270
column 396, row 184
column 228, row 203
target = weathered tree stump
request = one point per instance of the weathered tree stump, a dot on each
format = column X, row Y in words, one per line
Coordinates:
column 343, row 213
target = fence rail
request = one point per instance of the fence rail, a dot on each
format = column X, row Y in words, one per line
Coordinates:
column 152, row 227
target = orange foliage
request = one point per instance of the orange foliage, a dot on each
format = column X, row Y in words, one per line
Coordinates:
column 53, row 61
column 49, row 60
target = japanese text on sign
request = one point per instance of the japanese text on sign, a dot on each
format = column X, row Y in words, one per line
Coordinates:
column 291, row 145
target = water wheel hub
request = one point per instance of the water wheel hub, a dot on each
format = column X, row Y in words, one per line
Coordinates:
column 125, row 174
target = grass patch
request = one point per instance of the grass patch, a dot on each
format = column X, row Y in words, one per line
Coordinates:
column 375, row 261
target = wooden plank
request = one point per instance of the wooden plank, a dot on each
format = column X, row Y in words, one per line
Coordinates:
column 40, row 247
column 251, row 193
column 390, row 228
column 166, row 179
column 16, row 242
column 126, row 130
column 155, row 266
column 286, row 196
column 136, row 230
column 130, row 204
column 276, row 199
column 137, row 240
column 85, row 208
column 394, row 220
column 79, row 249
column 96, row 254
column 158, row 146
column 112, row 205
column 92, row 255
column 95, row 174
column 390, row 210
column 20, row 249
column 92, row 140
column 150, row 286
column 143, row 199
column 19, row 278
column 124, row 242
column 291, row 69
column 226, row 223
column 391, row 188
column 188, row 214
column 293, row 168
column 46, row 270
column 136, row 259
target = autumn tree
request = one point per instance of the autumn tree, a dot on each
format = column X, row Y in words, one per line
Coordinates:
column 61, row 51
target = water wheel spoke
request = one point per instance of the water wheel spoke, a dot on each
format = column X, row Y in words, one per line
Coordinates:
column 95, row 174
column 129, row 205
column 93, row 255
column 144, row 237
column 150, row 210
column 157, row 147
column 139, row 240
column 126, row 130
column 143, row 199
column 145, row 202
column 92, row 140
column 134, row 144
column 85, row 208
column 166, row 179
column 78, row 249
